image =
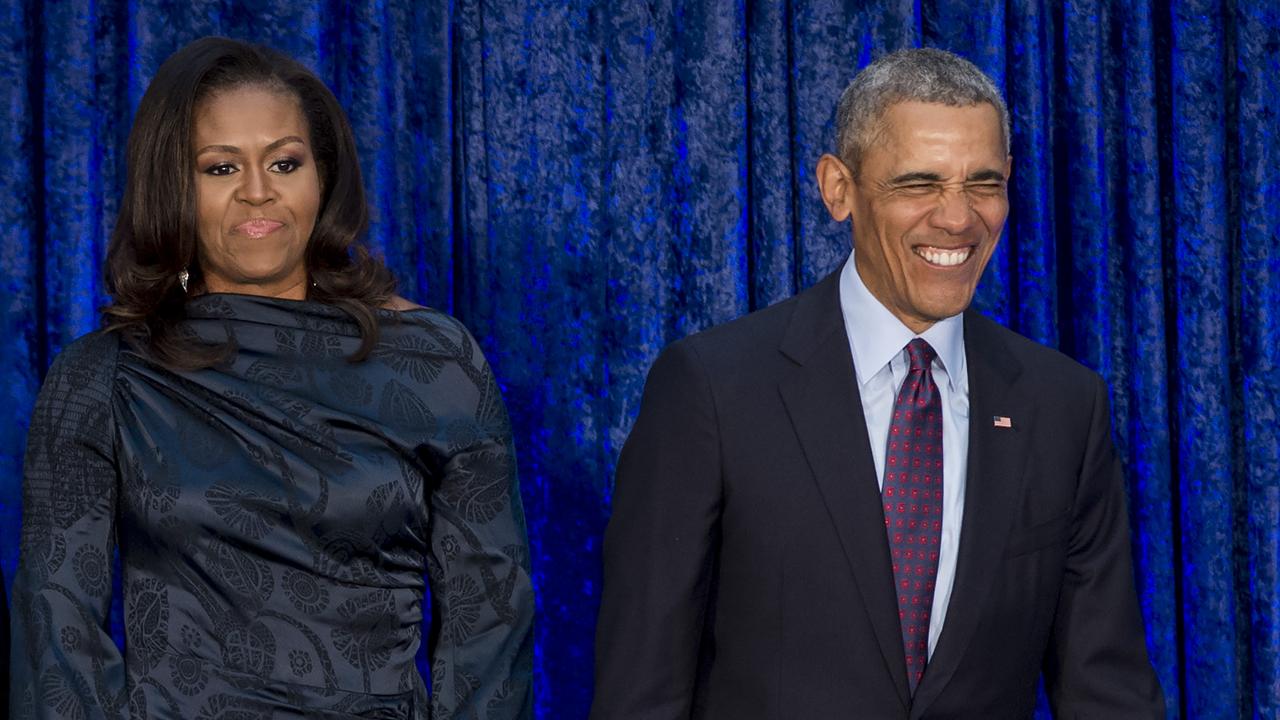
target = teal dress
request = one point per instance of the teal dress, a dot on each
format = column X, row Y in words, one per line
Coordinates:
column 282, row 520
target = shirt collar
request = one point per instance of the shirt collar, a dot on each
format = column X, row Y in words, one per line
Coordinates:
column 876, row 336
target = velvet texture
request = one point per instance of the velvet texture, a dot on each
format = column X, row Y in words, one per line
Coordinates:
column 582, row 183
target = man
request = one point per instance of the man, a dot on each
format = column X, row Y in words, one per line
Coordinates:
column 791, row 540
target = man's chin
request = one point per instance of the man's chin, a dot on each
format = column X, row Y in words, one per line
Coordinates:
column 940, row 310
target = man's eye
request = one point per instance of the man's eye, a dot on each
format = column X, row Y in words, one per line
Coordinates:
column 917, row 189
column 220, row 169
column 985, row 189
column 285, row 166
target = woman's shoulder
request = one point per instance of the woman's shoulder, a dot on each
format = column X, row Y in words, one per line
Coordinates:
column 429, row 330
column 399, row 304
column 76, row 393
column 89, row 359
column 420, row 317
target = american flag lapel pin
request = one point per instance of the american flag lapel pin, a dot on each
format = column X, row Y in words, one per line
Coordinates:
column 1001, row 421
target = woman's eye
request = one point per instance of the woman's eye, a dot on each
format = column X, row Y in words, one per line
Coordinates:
column 285, row 166
column 220, row 169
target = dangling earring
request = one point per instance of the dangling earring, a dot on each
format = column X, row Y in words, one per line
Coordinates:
column 183, row 275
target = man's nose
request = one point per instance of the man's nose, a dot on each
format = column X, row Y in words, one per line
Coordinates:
column 954, row 213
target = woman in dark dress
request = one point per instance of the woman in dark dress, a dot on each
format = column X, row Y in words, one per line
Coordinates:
column 278, row 446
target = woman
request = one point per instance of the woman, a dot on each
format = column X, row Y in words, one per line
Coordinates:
column 277, row 445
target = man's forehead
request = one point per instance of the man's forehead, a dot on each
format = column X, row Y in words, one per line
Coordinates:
column 933, row 133
column 914, row 117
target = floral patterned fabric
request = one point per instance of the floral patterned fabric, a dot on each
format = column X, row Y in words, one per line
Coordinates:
column 279, row 519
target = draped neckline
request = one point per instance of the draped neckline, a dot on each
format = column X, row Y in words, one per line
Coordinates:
column 285, row 312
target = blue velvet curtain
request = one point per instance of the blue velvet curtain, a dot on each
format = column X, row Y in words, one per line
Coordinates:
column 584, row 182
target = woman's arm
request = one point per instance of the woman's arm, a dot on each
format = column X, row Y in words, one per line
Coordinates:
column 481, row 639
column 64, row 663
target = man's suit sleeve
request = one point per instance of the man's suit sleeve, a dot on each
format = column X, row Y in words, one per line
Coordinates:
column 1097, row 664
column 660, row 547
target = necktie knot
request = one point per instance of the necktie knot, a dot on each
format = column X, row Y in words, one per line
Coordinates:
column 920, row 354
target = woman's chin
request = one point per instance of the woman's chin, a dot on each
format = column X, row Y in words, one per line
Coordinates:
column 273, row 282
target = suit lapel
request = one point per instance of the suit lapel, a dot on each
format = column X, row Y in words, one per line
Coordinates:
column 996, row 457
column 822, row 401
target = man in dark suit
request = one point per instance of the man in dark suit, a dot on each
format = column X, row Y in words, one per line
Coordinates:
column 868, row 501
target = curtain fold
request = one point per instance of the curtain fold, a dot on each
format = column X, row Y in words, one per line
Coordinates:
column 584, row 182
column 1256, row 314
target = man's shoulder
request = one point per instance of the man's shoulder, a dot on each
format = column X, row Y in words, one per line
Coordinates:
column 754, row 339
column 732, row 360
column 1042, row 365
column 764, row 327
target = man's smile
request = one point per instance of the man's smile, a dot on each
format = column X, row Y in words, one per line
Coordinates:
column 944, row 257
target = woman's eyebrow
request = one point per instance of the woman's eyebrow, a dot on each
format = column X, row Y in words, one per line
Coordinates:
column 235, row 150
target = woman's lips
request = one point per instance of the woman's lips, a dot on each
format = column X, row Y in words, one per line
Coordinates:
column 258, row 227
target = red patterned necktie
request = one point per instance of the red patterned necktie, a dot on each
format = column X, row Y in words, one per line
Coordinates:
column 912, row 494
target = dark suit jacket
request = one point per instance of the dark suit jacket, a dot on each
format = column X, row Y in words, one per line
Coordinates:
column 747, row 568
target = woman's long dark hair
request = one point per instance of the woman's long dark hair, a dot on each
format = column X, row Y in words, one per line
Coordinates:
column 155, row 235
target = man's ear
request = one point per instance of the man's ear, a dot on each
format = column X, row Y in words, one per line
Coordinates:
column 835, row 183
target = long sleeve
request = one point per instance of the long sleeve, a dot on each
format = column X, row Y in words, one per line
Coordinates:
column 4, row 647
column 64, row 662
column 660, row 547
column 482, row 594
column 1097, row 664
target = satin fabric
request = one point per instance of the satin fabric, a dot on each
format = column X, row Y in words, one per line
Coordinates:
column 275, row 517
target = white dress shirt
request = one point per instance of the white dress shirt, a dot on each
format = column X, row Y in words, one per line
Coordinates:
column 878, row 343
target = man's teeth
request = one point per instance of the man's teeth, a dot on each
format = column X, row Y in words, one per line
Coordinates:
column 945, row 258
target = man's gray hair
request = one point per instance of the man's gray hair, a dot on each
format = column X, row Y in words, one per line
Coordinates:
column 918, row 74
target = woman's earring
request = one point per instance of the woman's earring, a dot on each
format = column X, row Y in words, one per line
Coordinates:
column 183, row 275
